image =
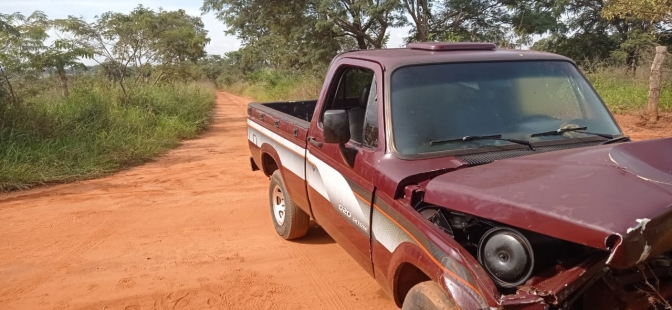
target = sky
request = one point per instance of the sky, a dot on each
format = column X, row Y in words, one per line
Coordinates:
column 219, row 42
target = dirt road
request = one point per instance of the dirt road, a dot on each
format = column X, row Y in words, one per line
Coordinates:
column 191, row 230
column 633, row 125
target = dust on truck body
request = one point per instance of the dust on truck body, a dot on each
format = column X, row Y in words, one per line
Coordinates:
column 461, row 176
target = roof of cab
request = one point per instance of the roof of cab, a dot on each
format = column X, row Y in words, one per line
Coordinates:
column 443, row 52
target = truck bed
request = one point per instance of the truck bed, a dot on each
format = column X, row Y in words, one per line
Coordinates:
column 288, row 119
column 298, row 109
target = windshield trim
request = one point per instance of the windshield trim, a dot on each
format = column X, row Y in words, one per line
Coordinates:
column 389, row 132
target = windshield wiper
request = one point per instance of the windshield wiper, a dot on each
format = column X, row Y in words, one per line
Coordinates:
column 617, row 139
column 491, row 137
column 560, row 131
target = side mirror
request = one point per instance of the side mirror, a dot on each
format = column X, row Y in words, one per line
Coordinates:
column 336, row 126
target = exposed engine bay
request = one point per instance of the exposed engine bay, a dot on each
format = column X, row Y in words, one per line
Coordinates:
column 520, row 262
column 509, row 255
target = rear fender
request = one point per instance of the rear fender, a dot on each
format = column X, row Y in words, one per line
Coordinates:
column 267, row 149
column 295, row 184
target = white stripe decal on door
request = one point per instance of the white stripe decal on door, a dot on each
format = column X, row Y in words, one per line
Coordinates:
column 324, row 179
column 332, row 185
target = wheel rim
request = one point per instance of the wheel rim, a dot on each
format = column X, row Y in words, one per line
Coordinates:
column 278, row 205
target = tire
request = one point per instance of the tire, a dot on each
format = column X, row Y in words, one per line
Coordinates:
column 289, row 220
column 428, row 296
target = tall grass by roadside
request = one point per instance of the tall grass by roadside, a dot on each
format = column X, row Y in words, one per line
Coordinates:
column 50, row 139
column 268, row 85
column 622, row 91
column 626, row 92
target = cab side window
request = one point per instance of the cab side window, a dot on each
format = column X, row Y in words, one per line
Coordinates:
column 351, row 84
column 353, row 94
column 370, row 138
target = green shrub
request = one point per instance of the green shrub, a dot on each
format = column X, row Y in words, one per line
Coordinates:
column 268, row 85
column 624, row 92
column 94, row 132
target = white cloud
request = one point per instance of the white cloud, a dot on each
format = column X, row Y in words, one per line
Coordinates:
column 397, row 36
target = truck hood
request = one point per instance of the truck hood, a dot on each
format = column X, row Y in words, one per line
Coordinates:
column 612, row 197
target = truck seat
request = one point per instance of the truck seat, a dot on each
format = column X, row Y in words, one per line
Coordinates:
column 356, row 116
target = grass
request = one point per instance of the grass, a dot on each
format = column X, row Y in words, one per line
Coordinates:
column 278, row 86
column 622, row 91
column 626, row 93
column 51, row 139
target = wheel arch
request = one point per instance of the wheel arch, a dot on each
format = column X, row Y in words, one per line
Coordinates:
column 406, row 276
column 411, row 266
column 270, row 161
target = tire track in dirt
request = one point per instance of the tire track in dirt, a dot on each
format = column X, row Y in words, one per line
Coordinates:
column 325, row 291
column 30, row 283
column 190, row 230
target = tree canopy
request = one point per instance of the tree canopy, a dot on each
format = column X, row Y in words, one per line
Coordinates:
column 653, row 11
column 143, row 41
column 308, row 33
column 152, row 45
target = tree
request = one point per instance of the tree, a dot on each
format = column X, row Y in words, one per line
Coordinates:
column 366, row 21
column 420, row 12
column 305, row 34
column 100, row 38
column 21, row 40
column 581, row 28
column 279, row 34
column 653, row 11
column 140, row 41
column 60, row 56
column 583, row 47
column 654, row 83
column 7, row 28
column 459, row 20
column 212, row 67
column 174, row 40
column 476, row 20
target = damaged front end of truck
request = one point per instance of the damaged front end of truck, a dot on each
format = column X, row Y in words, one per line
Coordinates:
column 576, row 229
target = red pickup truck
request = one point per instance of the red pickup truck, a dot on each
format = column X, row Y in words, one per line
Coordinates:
column 462, row 176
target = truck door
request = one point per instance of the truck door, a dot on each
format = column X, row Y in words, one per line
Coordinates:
column 340, row 185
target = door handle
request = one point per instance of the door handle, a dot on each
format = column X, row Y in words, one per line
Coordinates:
column 314, row 142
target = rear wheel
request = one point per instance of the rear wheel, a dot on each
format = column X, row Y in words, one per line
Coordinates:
column 427, row 296
column 289, row 220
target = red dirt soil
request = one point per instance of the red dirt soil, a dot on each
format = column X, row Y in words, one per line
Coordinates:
column 191, row 230
column 634, row 126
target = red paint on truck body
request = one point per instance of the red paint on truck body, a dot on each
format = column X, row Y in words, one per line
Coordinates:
column 585, row 195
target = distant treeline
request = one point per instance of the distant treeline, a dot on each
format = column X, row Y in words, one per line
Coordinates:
column 304, row 35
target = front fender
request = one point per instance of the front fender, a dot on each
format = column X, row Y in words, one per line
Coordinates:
column 408, row 238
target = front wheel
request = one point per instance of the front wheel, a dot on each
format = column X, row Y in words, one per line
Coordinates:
column 289, row 220
column 427, row 296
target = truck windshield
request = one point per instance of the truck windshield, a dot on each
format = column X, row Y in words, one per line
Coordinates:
column 513, row 99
